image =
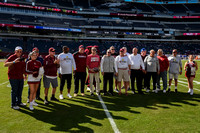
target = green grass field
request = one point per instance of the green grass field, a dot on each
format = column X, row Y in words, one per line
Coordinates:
column 170, row 112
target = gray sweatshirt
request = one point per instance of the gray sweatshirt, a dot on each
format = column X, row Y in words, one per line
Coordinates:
column 174, row 64
column 151, row 64
column 107, row 64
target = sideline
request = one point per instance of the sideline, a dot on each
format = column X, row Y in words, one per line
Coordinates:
column 112, row 122
column 4, row 83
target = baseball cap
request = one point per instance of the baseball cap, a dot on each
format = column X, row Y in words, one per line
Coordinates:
column 94, row 48
column 121, row 50
column 18, row 48
column 81, row 46
column 51, row 49
column 35, row 49
column 143, row 49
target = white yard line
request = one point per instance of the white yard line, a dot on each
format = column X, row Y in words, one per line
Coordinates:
column 112, row 122
column 182, row 83
column 4, row 83
column 194, row 81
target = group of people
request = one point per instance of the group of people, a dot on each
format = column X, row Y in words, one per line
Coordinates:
column 113, row 67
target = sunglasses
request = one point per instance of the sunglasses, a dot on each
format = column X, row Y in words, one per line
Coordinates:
column 19, row 51
column 112, row 49
column 174, row 52
column 109, row 52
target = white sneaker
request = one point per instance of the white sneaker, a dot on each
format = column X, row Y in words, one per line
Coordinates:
column 98, row 93
column 147, row 90
column 16, row 107
column 158, row 89
column 164, row 91
column 31, row 106
column 88, row 89
column 155, row 91
column 69, row 95
column 34, row 103
column 61, row 96
column 132, row 92
column 27, row 100
column 189, row 90
column 22, row 104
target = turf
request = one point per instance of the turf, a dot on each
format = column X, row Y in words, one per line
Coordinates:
column 151, row 112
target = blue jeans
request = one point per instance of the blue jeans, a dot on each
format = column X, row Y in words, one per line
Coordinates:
column 16, row 91
column 162, row 75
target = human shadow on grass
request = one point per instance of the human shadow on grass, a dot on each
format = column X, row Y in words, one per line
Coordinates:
column 150, row 101
column 68, row 116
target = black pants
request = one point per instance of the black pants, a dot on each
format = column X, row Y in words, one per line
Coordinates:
column 79, row 76
column 136, row 74
column 144, row 80
column 154, row 77
column 64, row 77
column 108, row 77
column 37, row 93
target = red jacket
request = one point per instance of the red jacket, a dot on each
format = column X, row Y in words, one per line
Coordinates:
column 164, row 63
column 93, row 61
column 50, row 69
column 32, row 66
column 80, row 60
column 17, row 70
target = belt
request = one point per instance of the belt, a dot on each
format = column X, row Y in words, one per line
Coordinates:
column 122, row 68
column 135, row 69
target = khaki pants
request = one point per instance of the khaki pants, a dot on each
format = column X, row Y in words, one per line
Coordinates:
column 96, row 76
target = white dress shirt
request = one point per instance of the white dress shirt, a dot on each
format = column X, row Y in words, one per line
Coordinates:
column 136, row 61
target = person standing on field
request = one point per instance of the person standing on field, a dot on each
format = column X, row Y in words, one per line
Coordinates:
column 174, row 65
column 67, row 63
column 122, row 67
column 190, row 67
column 164, row 64
column 35, row 71
column 153, row 69
column 80, row 58
column 136, row 71
column 107, row 70
column 16, row 75
column 51, row 64
column 93, row 65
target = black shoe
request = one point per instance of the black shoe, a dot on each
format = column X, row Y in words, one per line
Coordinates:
column 46, row 102
column 111, row 93
column 176, row 91
column 92, row 94
column 140, row 92
column 123, row 87
column 133, row 92
column 129, row 89
column 54, row 99
column 38, row 98
column 168, row 90
column 105, row 94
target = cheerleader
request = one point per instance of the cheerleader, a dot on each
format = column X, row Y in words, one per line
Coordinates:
column 190, row 69
column 35, row 71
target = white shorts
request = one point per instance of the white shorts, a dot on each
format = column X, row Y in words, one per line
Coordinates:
column 173, row 75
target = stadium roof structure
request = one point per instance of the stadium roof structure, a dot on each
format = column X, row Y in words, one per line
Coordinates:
column 164, row 1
